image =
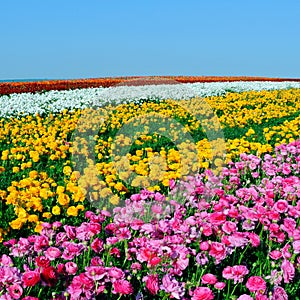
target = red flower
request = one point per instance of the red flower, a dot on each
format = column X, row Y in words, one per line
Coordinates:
column 49, row 276
column 31, row 278
column 42, row 261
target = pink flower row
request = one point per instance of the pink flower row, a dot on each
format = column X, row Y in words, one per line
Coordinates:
column 241, row 226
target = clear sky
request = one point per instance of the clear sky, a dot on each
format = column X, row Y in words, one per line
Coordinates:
column 56, row 39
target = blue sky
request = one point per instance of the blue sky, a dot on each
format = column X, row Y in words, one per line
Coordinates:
column 84, row 39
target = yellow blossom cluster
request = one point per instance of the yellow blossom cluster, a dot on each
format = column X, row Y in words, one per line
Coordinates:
column 55, row 166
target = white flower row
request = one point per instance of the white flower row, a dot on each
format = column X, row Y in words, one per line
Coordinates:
column 56, row 101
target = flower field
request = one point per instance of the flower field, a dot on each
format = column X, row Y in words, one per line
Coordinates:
column 183, row 191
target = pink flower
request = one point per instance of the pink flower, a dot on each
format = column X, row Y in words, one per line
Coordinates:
column 15, row 291
column 115, row 274
column 136, row 266
column 275, row 277
column 254, row 239
column 40, row 243
column 229, row 227
column 279, row 294
column 296, row 246
column 80, row 284
column 244, row 297
column 220, row 285
column 6, row 261
column 285, row 251
column 154, row 261
column 209, row 279
column 172, row 184
column 52, row 253
column 289, row 225
column 239, row 272
column 115, row 252
column 206, row 229
column 97, row 261
column 171, row 286
column 204, row 246
column 288, row 271
column 218, row 251
column 256, row 284
column 281, row 206
column 122, row 287
column 202, row 293
column 237, row 239
column 275, row 254
column 96, row 272
column 217, row 218
column 228, row 273
column 152, row 283
column 71, row 268
column 97, row 245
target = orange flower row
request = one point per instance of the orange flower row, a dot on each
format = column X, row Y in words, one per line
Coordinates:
column 47, row 85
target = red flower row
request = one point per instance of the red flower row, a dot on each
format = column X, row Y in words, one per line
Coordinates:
column 47, row 85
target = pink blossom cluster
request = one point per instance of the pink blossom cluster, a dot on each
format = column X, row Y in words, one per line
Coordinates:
column 237, row 234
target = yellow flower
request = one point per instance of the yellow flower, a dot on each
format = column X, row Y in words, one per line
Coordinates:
column 56, row 210
column 67, row 170
column 38, row 228
column 63, row 199
column 94, row 196
column 60, row 189
column 47, row 215
column 33, row 174
column 44, row 193
column 16, row 169
column 33, row 218
column 16, row 224
column 114, row 200
column 105, row 192
column 75, row 176
column 80, row 207
column 72, row 211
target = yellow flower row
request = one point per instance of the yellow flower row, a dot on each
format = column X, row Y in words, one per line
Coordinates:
column 41, row 157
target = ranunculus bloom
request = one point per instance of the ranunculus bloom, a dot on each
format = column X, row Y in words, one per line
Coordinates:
column 218, row 251
column 42, row 261
column 122, row 287
column 97, row 245
column 279, row 294
column 15, row 291
column 31, row 278
column 209, row 279
column 220, row 285
column 244, row 297
column 203, row 293
column 256, row 284
column 52, row 253
column 288, row 271
column 275, row 254
column 71, row 268
column 281, row 206
column 152, row 283
column 49, row 276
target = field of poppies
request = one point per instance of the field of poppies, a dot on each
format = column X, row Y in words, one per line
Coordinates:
column 184, row 191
